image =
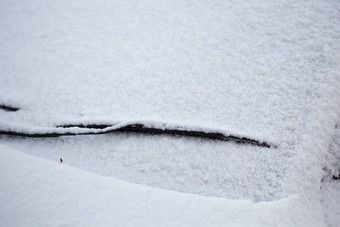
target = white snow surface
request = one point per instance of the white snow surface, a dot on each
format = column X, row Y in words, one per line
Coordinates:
column 59, row 195
column 330, row 192
column 204, row 167
column 252, row 68
column 267, row 70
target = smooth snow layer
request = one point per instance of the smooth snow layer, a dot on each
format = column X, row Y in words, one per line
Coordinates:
column 205, row 167
column 36, row 192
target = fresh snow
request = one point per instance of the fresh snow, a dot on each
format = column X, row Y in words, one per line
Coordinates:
column 59, row 195
column 266, row 70
column 330, row 199
column 210, row 168
column 252, row 68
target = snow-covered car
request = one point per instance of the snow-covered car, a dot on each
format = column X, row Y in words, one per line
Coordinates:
column 169, row 113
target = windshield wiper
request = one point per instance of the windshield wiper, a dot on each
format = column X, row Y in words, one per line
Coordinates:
column 8, row 108
column 136, row 128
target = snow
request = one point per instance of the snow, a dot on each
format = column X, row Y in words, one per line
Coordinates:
column 267, row 70
column 204, row 167
column 333, row 156
column 233, row 65
column 330, row 188
column 331, row 202
column 59, row 195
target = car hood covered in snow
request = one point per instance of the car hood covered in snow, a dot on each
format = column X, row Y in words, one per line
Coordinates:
column 263, row 74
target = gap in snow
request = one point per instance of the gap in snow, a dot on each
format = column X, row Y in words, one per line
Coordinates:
column 95, row 126
column 205, row 167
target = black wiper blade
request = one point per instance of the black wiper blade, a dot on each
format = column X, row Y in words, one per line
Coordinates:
column 8, row 108
column 139, row 128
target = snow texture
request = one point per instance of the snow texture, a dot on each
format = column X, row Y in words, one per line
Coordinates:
column 210, row 168
column 267, row 70
column 331, row 202
column 332, row 169
column 59, row 195
column 252, row 68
